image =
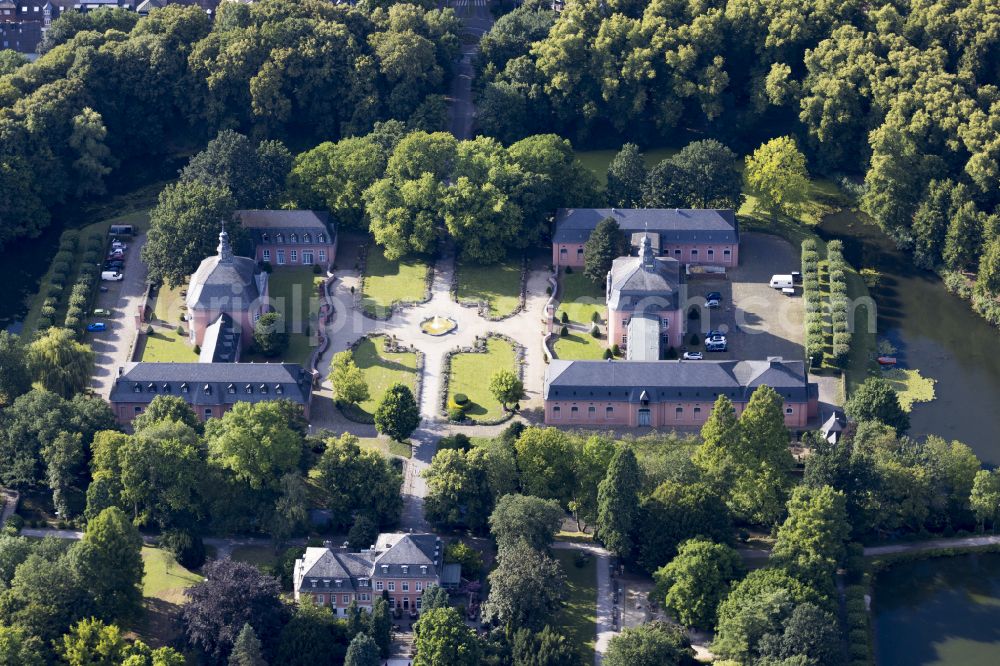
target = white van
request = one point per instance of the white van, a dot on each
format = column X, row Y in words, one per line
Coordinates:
column 112, row 276
column 781, row 282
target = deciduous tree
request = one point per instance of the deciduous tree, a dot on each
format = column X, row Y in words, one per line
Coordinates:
column 506, row 387
column 651, row 644
column 15, row 379
column 397, row 414
column 362, row 652
column 695, row 581
column 526, row 589
column 348, row 381
column 811, row 541
column 109, row 558
column 875, row 400
column 518, row 518
column 626, row 177
column 442, row 637
column 255, row 443
column 269, row 335
column 59, row 362
column 776, row 176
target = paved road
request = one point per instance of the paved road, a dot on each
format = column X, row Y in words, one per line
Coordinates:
column 113, row 346
column 476, row 21
column 604, row 628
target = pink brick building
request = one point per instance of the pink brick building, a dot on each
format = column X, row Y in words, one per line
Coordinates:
column 291, row 237
column 650, row 287
column 691, row 236
column 668, row 394
column 398, row 565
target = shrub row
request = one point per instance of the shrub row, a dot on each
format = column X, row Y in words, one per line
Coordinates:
column 839, row 302
column 82, row 294
column 813, row 302
column 858, row 629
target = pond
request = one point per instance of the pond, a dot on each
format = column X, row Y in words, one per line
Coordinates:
column 941, row 612
column 934, row 332
column 25, row 262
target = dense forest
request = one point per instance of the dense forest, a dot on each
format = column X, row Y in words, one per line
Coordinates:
column 113, row 87
column 902, row 92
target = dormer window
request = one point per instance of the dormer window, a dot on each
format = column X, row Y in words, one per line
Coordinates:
column 423, row 569
column 151, row 388
column 326, row 583
column 208, row 389
column 137, row 388
column 321, row 238
column 385, row 568
column 231, row 388
column 339, row 582
column 278, row 389
column 406, row 569
column 166, row 388
column 313, row 583
column 184, row 387
column 263, row 388
column 307, row 238
column 264, row 237
column 295, row 238
column 248, row 388
column 279, row 238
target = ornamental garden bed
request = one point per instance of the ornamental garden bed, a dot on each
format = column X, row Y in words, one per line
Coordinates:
column 469, row 374
column 381, row 369
column 387, row 284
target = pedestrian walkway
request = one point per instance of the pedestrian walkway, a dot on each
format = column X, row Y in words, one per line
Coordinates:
column 605, row 628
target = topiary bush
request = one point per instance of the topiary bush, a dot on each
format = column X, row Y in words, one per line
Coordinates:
column 564, row 318
column 695, row 339
column 595, row 332
column 616, row 350
column 569, row 270
column 564, row 331
column 608, row 354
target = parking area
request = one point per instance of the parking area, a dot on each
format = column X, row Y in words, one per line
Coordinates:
column 123, row 299
column 758, row 321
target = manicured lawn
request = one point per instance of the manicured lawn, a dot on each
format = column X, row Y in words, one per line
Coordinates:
column 578, row 620
column 580, row 298
column 597, row 161
column 471, row 373
column 139, row 219
column 169, row 305
column 578, row 346
column 497, row 284
column 388, row 282
column 293, row 293
column 166, row 346
column 165, row 578
column 382, row 370
column 386, row 446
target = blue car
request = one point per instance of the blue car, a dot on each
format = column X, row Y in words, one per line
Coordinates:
column 97, row 326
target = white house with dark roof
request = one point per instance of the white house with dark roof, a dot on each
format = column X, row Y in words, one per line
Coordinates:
column 691, row 236
column 669, row 393
column 225, row 286
column 291, row 237
column 210, row 388
column 398, row 564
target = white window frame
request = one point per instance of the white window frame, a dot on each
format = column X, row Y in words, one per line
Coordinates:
column 293, row 257
column 266, row 254
column 281, row 257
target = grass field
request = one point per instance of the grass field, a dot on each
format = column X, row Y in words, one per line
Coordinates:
column 578, row 620
column 259, row 556
column 382, row 370
column 497, row 284
column 165, row 578
column 169, row 305
column 471, row 373
column 578, row 346
column 386, row 446
column 166, row 346
column 293, row 293
column 580, row 298
column 139, row 219
column 388, row 282
column 598, row 160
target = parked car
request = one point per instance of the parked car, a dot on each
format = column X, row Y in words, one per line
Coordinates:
column 715, row 336
column 781, row 281
column 112, row 276
column 693, row 356
column 117, row 244
column 116, row 254
column 114, row 265
column 713, row 301
column 102, row 312
column 716, row 346
column 713, row 296
column 796, row 277
column 97, row 326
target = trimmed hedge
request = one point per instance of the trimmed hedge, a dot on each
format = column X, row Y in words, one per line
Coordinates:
column 813, row 303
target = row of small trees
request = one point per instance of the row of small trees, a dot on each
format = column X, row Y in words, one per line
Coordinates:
column 815, row 338
column 837, row 268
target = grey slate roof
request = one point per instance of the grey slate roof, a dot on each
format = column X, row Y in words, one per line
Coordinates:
column 392, row 550
column 573, row 225
column 221, row 343
column 141, row 382
column 672, row 380
column 631, row 283
column 225, row 281
column 643, row 338
column 264, row 225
